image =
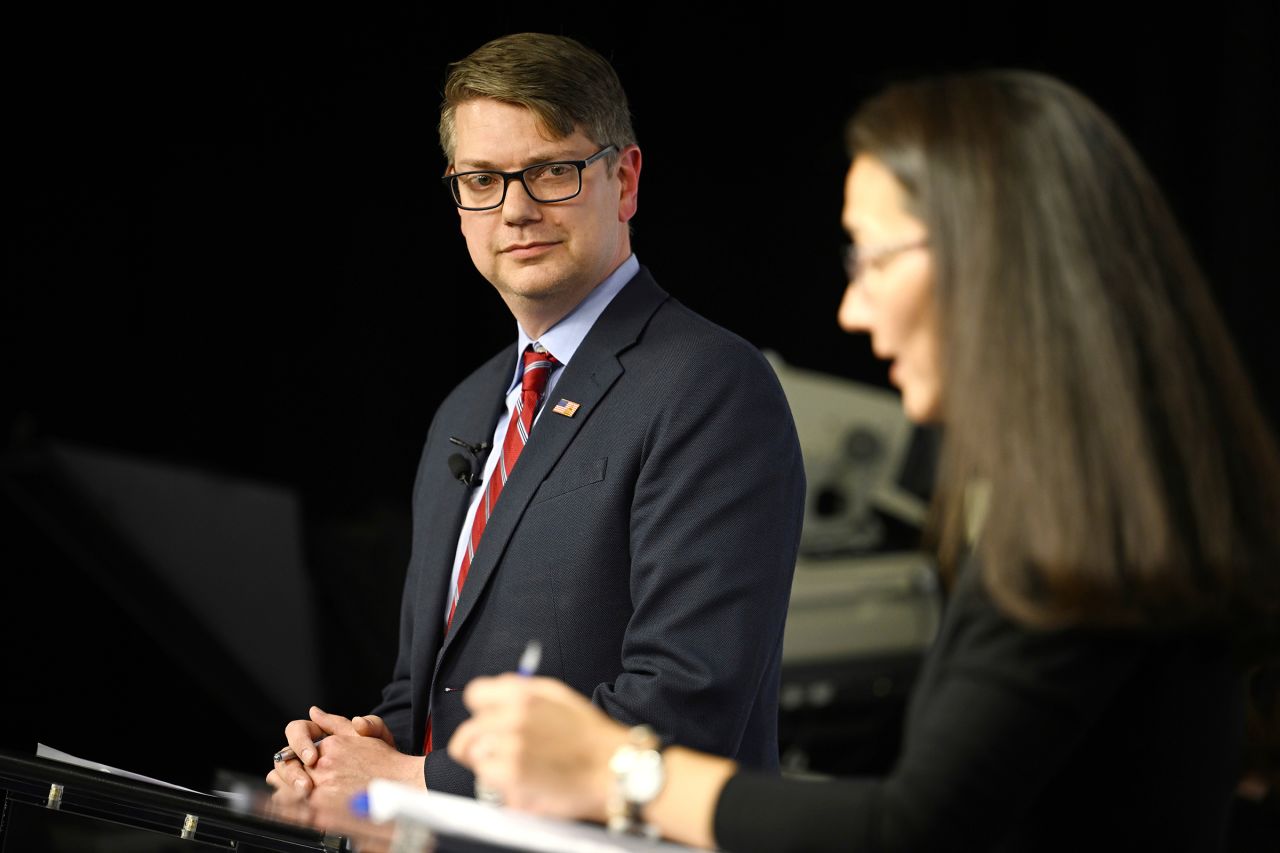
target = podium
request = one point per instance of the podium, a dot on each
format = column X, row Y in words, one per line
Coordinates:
column 53, row 806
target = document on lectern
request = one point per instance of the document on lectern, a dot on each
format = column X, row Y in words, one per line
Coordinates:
column 49, row 752
column 487, row 822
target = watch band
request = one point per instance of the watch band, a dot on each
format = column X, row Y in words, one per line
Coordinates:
column 638, row 778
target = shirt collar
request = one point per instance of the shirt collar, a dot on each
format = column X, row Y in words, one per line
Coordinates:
column 563, row 339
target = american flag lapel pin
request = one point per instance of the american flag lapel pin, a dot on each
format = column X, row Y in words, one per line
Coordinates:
column 565, row 407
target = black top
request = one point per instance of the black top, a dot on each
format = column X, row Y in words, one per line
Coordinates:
column 1028, row 740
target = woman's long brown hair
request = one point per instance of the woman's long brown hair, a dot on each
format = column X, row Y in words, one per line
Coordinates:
column 1091, row 386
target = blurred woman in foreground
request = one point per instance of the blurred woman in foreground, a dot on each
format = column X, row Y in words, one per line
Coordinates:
column 1106, row 515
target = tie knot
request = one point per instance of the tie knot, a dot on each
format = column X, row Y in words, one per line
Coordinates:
column 537, row 369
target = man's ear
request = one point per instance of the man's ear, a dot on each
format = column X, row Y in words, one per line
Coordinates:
column 629, row 178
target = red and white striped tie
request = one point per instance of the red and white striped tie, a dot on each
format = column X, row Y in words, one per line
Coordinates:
column 533, row 383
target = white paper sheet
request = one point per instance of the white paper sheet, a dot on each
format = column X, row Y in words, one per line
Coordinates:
column 467, row 818
column 43, row 751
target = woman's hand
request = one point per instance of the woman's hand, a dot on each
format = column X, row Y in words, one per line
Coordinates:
column 542, row 746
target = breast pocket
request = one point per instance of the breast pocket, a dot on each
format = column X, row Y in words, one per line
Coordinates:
column 570, row 478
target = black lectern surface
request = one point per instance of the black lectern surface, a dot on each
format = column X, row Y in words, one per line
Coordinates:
column 55, row 806
column 51, row 805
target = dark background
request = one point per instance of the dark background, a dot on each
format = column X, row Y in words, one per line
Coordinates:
column 227, row 248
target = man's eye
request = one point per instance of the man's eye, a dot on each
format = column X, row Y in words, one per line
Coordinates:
column 479, row 182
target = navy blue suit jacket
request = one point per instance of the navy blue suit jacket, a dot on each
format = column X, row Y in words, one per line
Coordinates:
column 648, row 541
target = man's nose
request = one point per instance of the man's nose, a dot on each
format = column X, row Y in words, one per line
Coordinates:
column 519, row 206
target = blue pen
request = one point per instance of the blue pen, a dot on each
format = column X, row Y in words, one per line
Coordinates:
column 527, row 666
column 530, row 659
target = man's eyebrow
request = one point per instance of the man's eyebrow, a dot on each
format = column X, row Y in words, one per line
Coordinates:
column 489, row 166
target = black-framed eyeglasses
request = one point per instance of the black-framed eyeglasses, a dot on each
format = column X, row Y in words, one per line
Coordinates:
column 546, row 183
column 857, row 259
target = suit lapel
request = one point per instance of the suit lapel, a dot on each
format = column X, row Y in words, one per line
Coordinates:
column 587, row 380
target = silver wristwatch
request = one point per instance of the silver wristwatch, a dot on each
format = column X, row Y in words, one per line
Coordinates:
column 638, row 777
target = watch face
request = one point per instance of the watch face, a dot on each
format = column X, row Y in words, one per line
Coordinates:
column 645, row 777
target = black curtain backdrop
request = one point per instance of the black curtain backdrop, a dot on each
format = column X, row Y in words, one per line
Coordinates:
column 228, row 248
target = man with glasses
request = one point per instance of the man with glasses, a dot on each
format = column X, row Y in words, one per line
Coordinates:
column 632, row 486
